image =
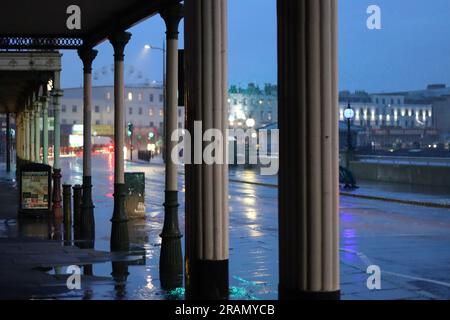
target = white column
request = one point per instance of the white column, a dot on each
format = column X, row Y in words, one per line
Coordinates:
column 207, row 184
column 119, row 231
column 309, row 159
column 32, row 134
column 57, row 93
column 45, row 129
column 26, row 136
column 37, row 128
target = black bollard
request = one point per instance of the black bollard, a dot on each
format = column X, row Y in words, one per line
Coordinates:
column 67, row 212
column 77, row 196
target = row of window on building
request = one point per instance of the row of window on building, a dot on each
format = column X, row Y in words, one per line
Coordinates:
column 140, row 110
column 400, row 117
column 140, row 97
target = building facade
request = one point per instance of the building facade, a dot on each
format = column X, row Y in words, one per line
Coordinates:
column 144, row 108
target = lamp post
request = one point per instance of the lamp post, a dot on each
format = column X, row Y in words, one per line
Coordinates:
column 349, row 114
column 163, row 50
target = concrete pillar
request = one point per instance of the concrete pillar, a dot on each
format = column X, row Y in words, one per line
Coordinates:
column 18, row 135
column 207, row 247
column 57, row 93
column 32, row 134
column 44, row 101
column 171, row 259
column 87, row 227
column 37, row 133
column 8, row 143
column 309, row 159
column 26, row 136
column 119, row 231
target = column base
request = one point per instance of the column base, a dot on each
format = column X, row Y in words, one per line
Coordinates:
column 207, row 280
column 119, row 231
column 171, row 256
column 291, row 294
column 56, row 196
column 87, row 221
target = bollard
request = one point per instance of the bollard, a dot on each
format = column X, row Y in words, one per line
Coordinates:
column 77, row 195
column 67, row 212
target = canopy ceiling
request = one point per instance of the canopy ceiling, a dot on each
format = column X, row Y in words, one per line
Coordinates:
column 45, row 21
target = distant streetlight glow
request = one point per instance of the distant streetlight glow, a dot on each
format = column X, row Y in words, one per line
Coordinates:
column 250, row 123
column 147, row 47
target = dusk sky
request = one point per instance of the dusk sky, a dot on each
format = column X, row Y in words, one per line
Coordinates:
column 411, row 51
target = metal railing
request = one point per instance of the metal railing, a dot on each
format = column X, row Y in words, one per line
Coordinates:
column 418, row 161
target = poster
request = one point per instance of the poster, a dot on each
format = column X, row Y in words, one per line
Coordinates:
column 35, row 190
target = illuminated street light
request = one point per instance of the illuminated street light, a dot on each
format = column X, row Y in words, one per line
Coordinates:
column 250, row 123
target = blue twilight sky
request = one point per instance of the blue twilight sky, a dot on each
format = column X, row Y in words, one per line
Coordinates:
column 411, row 51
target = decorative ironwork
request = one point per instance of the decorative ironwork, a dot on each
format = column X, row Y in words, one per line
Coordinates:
column 40, row 43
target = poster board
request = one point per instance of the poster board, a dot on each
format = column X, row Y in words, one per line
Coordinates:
column 35, row 189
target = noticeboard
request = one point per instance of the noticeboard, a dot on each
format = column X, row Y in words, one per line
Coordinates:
column 35, row 189
column 135, row 194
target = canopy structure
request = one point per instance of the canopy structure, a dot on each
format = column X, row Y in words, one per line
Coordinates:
column 31, row 24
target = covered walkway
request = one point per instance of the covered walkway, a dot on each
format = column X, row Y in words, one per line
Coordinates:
column 308, row 182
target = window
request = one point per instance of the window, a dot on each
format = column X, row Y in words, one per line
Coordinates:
column 108, row 95
column 97, row 109
column 269, row 116
column 152, row 97
column 152, row 124
column 97, row 122
column 74, row 121
column 150, row 112
column 384, row 101
column 74, row 108
column 262, row 114
column 399, row 101
column 180, row 125
column 63, row 108
column 139, row 96
column 377, row 101
column 161, row 98
column 235, row 101
column 179, row 113
column 161, row 124
column 130, row 96
column 161, row 112
column 140, row 111
column 108, row 109
column 130, row 110
column 63, row 121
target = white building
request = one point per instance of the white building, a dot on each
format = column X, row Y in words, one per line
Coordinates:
column 144, row 107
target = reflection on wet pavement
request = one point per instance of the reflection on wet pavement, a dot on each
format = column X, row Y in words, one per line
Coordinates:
column 409, row 243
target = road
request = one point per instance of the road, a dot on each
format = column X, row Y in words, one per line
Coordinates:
column 409, row 243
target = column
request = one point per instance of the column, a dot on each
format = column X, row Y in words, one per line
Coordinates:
column 87, row 55
column 37, row 128
column 18, row 136
column 32, row 134
column 44, row 102
column 119, row 230
column 57, row 93
column 171, row 259
column 309, row 160
column 26, row 136
column 8, row 143
column 207, row 248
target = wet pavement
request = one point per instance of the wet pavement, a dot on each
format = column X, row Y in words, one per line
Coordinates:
column 409, row 243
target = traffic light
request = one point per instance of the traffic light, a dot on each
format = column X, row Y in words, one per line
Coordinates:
column 151, row 135
column 130, row 129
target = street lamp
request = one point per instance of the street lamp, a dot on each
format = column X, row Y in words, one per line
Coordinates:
column 349, row 114
column 163, row 50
